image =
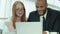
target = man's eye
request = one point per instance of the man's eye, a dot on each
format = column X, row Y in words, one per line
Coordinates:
column 37, row 7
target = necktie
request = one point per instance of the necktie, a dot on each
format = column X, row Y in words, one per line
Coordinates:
column 44, row 24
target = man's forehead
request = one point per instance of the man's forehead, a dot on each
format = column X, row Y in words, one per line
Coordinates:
column 40, row 3
column 41, row 0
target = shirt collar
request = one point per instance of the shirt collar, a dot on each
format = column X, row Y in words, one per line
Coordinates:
column 45, row 14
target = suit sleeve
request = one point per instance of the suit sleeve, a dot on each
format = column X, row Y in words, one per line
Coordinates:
column 57, row 24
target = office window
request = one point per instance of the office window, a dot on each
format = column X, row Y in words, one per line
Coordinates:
column 4, row 7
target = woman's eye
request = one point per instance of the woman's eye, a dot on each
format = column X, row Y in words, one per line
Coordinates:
column 19, row 9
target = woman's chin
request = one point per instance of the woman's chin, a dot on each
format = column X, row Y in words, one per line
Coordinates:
column 20, row 16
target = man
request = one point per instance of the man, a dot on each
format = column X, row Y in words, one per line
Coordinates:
column 52, row 17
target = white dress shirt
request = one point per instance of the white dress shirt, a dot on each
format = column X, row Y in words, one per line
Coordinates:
column 6, row 30
column 41, row 20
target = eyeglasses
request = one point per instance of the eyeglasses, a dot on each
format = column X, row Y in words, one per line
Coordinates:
column 19, row 9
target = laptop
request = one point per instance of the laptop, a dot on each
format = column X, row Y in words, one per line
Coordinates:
column 29, row 28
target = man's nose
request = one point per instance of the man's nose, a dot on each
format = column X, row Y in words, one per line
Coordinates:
column 40, row 9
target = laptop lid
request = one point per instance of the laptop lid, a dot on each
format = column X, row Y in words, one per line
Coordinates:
column 29, row 28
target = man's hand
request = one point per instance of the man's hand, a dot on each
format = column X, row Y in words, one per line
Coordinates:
column 44, row 33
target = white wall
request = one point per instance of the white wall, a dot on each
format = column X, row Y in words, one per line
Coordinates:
column 54, row 4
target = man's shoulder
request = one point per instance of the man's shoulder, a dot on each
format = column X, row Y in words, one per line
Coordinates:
column 33, row 12
column 53, row 11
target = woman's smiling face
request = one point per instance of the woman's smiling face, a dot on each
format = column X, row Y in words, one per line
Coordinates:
column 19, row 10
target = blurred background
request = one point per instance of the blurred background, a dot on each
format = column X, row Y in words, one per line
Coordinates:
column 6, row 8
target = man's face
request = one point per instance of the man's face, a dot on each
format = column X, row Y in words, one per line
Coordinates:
column 41, row 6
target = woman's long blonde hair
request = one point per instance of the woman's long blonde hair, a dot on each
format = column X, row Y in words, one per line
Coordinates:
column 14, row 17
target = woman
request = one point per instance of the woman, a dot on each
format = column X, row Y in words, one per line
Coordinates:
column 18, row 15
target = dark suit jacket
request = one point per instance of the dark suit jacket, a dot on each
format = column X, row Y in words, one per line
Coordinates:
column 52, row 19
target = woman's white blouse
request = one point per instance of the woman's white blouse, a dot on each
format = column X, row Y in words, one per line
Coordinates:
column 5, row 30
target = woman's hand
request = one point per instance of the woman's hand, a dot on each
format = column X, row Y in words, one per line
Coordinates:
column 10, row 27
